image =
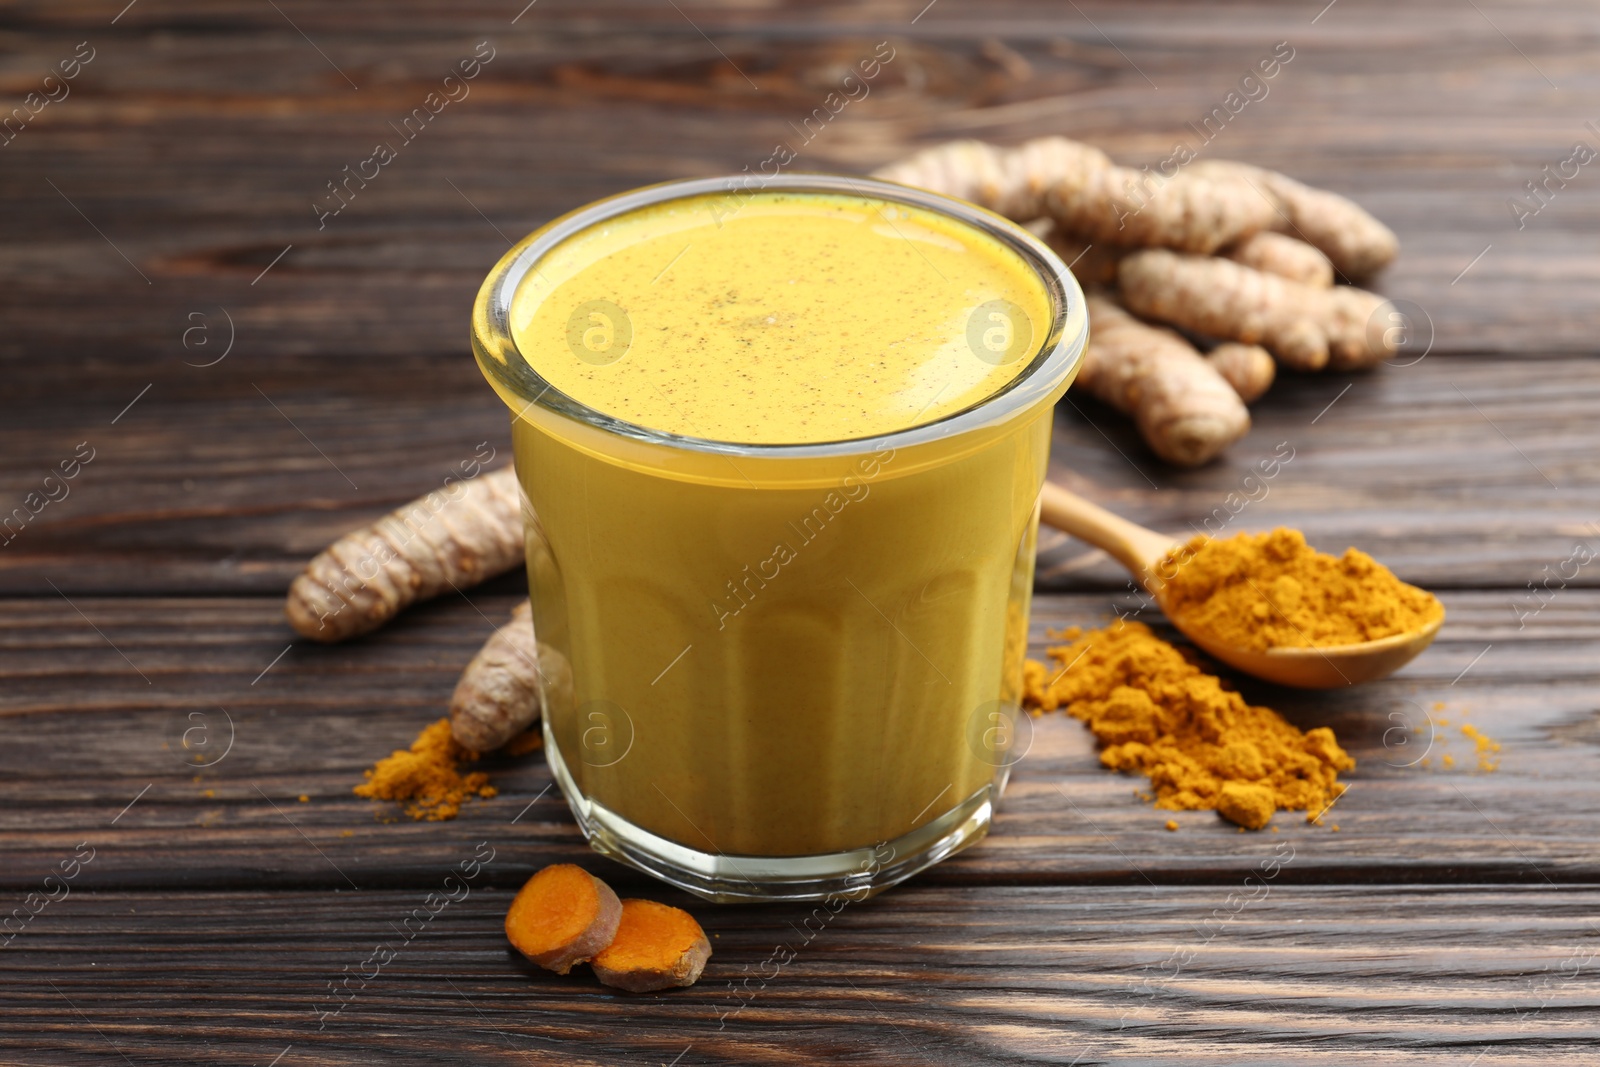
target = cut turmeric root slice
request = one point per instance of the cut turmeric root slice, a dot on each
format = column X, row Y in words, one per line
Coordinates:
column 563, row 916
column 656, row 947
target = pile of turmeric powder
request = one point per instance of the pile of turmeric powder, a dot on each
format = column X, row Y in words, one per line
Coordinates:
column 1272, row 590
column 1201, row 745
column 427, row 778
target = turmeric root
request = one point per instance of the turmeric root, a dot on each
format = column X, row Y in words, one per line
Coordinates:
column 1305, row 328
column 1250, row 369
column 1184, row 408
column 1088, row 195
column 1355, row 242
column 1284, row 256
column 1281, row 243
column 656, row 947
column 1094, row 265
column 433, row 544
column 498, row 694
column 563, row 916
column 1009, row 181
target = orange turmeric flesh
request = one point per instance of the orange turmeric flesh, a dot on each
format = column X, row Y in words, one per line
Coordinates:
column 562, row 917
column 657, row 947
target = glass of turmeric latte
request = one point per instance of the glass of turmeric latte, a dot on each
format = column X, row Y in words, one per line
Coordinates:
column 781, row 448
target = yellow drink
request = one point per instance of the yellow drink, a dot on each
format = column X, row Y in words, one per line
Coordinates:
column 782, row 452
column 799, row 318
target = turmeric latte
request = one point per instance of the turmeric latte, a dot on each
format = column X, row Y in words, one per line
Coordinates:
column 1272, row 590
column 780, row 656
column 793, row 317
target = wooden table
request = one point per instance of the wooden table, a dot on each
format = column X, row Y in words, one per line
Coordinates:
column 250, row 384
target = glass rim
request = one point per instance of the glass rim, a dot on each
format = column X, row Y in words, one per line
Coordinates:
column 1056, row 359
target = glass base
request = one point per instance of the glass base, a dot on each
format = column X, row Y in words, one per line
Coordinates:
column 854, row 875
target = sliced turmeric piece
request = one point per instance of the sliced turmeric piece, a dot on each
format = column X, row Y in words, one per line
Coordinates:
column 657, row 947
column 562, row 917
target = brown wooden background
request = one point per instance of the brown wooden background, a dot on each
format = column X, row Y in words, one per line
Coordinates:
column 1451, row 920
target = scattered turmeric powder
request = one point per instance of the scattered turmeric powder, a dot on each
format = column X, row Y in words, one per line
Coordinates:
column 524, row 743
column 656, row 947
column 1272, row 590
column 427, row 777
column 1201, row 745
column 1486, row 747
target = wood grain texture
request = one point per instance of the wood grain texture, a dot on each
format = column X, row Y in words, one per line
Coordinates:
column 88, row 730
column 583, row 100
column 198, row 138
column 163, row 214
column 931, row 975
column 227, row 480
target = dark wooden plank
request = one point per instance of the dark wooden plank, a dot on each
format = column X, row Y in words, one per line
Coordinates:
column 231, row 476
column 210, row 925
column 1218, row 975
column 1457, row 473
column 356, row 334
column 86, row 734
column 228, row 479
column 200, row 135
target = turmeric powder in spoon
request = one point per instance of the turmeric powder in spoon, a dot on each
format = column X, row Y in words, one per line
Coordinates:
column 1272, row 590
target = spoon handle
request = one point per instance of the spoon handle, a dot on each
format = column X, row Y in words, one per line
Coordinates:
column 1135, row 547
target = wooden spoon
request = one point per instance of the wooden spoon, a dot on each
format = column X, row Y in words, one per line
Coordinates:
column 1139, row 550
